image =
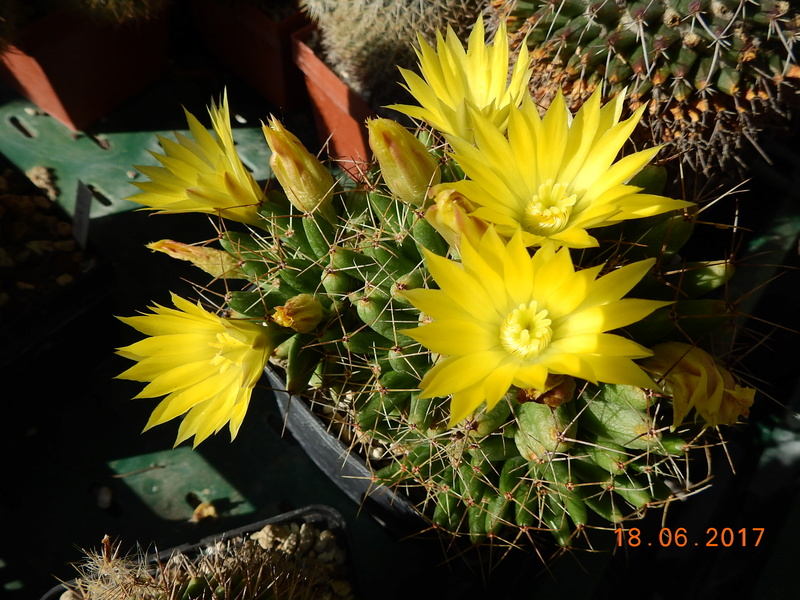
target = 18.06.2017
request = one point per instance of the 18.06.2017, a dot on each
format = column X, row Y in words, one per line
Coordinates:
column 726, row 537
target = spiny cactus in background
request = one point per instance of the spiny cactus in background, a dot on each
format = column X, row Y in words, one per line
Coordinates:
column 715, row 72
column 364, row 41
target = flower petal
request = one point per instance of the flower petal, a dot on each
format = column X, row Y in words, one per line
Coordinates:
column 454, row 337
column 457, row 373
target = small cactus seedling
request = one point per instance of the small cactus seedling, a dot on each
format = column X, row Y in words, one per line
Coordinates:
column 714, row 72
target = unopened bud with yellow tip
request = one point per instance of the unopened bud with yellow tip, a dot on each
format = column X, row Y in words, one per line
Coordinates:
column 307, row 183
column 301, row 313
column 217, row 263
column 450, row 216
column 407, row 167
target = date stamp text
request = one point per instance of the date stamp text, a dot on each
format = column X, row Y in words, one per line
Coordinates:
column 727, row 537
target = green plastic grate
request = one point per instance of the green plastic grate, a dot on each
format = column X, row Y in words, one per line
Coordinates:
column 170, row 482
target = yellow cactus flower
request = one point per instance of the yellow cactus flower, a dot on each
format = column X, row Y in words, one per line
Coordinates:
column 215, row 262
column 555, row 177
column 454, row 79
column 206, row 366
column 695, row 381
column 202, row 173
column 502, row 318
column 306, row 181
column 408, row 169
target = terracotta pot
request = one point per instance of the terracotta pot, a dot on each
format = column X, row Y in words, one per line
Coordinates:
column 255, row 47
column 77, row 70
column 339, row 113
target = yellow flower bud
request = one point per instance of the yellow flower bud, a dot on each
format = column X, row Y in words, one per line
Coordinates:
column 450, row 216
column 694, row 380
column 216, row 263
column 301, row 313
column 306, row 181
column 407, row 167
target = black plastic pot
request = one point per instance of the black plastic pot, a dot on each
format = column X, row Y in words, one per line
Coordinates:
column 348, row 470
column 320, row 516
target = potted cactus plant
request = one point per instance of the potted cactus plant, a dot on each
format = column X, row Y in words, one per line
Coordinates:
column 501, row 315
column 78, row 59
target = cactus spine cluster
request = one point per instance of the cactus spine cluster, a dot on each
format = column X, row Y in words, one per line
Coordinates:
column 716, row 72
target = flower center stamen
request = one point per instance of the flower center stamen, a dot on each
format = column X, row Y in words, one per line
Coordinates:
column 526, row 331
column 225, row 345
column 548, row 211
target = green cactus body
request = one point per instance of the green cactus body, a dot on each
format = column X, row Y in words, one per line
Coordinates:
column 544, row 430
column 336, row 279
column 450, row 509
column 714, row 73
column 596, row 456
column 627, row 426
column 561, row 461
column 487, row 421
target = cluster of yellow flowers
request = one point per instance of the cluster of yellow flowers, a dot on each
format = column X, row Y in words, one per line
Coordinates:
column 511, row 310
